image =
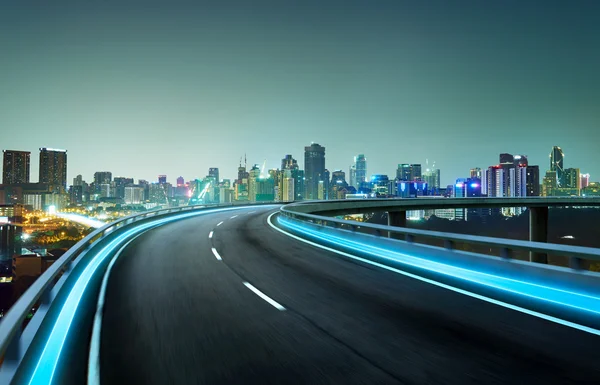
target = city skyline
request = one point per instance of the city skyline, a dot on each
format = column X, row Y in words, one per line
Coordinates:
column 202, row 85
column 231, row 174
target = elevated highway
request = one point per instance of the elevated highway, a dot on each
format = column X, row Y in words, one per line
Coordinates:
column 259, row 295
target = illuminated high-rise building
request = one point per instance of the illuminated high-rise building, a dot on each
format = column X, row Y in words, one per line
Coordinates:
column 584, row 180
column 571, row 178
column 476, row 173
column 180, row 181
column 314, row 168
column 533, row 181
column 162, row 179
column 16, row 167
column 415, row 172
column 557, row 158
column 214, row 173
column 550, row 183
column 253, row 177
column 403, row 172
column 119, row 184
column 53, row 168
column 134, row 195
column 289, row 163
column 360, row 167
column 432, row 177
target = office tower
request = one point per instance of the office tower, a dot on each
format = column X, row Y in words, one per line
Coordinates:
column 533, row 181
column 476, row 172
column 162, row 179
column 105, row 190
column 338, row 185
column 380, row 185
column 557, row 162
column 403, row 172
column 506, row 158
column 352, row 177
column 287, row 193
column 53, row 168
column 415, row 172
column 119, row 184
column 550, row 183
column 100, row 178
column 16, row 167
column 157, row 193
column 180, row 181
column 214, row 173
column 468, row 188
column 584, row 180
column 289, row 163
column 265, row 189
column 78, row 181
column 520, row 160
column 76, row 194
column 134, row 195
column 314, row 168
column 299, row 184
column 571, row 178
column 253, row 176
column 360, row 166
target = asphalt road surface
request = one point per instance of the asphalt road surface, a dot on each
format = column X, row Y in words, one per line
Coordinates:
column 263, row 308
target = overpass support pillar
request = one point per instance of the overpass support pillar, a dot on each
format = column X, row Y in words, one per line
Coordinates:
column 397, row 219
column 538, row 231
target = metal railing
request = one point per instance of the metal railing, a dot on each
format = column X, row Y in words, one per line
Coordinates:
column 46, row 287
column 506, row 246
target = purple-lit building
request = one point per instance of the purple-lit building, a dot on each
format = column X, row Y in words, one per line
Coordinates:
column 414, row 189
column 467, row 188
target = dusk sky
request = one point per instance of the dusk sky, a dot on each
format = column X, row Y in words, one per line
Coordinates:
column 145, row 88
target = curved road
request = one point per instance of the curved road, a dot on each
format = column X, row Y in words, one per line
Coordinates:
column 275, row 310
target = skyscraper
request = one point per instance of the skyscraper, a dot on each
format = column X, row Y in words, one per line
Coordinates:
column 162, row 179
column 415, row 172
column 214, row 173
column 53, row 168
column 403, row 172
column 557, row 162
column 584, row 180
column 16, row 167
column 253, row 177
column 550, row 183
column 571, row 178
column 288, row 163
column 100, row 178
column 352, row 176
column 314, row 168
column 360, row 165
column 432, row 178
column 533, row 181
column 476, row 172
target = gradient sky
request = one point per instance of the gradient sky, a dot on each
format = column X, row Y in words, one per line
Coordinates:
column 142, row 88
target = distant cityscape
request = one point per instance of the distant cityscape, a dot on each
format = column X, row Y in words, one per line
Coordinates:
column 512, row 176
column 40, row 221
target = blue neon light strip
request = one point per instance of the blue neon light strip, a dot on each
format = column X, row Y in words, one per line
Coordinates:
column 45, row 369
column 570, row 299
